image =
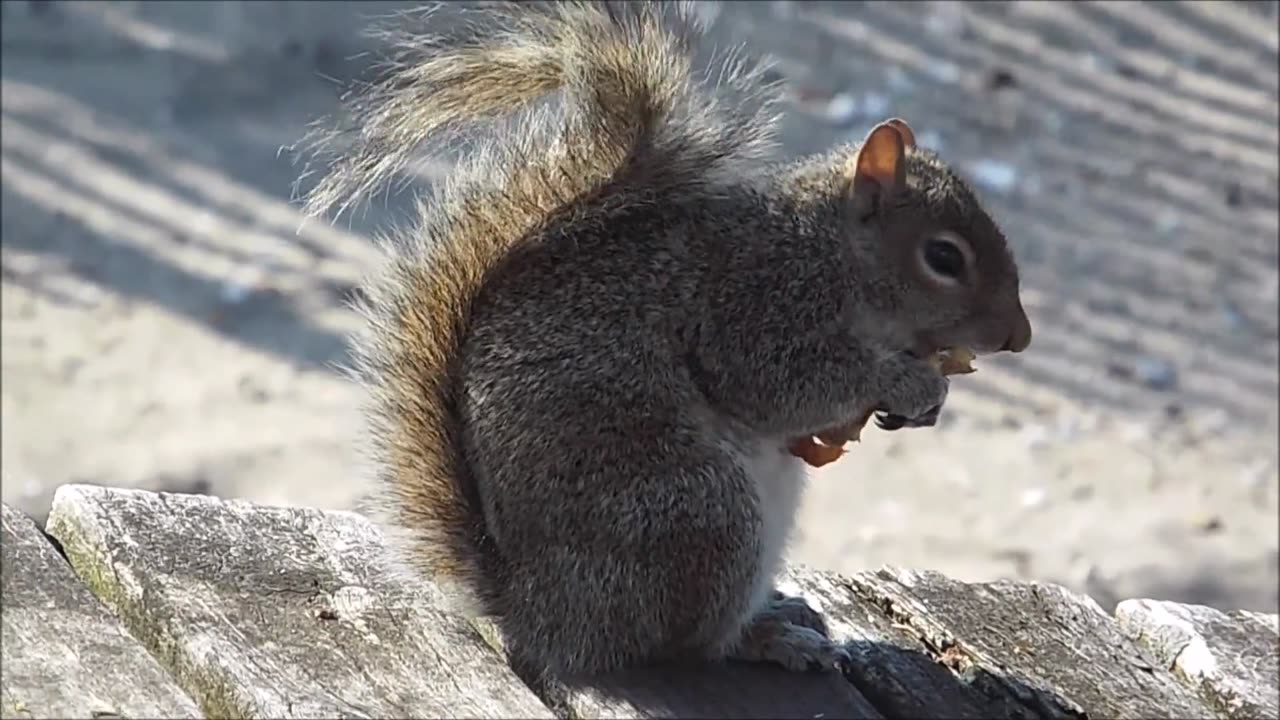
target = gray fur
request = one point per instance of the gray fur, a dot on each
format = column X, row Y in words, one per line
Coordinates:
column 586, row 361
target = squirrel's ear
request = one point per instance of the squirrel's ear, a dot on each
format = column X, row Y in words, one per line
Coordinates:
column 879, row 168
column 908, row 137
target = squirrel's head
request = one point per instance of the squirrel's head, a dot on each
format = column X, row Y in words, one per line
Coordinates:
column 948, row 278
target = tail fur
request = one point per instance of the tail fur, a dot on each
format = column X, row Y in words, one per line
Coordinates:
column 634, row 124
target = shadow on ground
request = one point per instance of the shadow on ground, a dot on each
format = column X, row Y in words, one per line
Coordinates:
column 1143, row 196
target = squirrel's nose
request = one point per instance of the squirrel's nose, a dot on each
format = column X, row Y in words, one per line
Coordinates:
column 1020, row 336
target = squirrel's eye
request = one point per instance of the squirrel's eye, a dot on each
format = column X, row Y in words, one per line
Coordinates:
column 944, row 258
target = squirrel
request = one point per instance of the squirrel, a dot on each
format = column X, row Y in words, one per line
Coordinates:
column 585, row 359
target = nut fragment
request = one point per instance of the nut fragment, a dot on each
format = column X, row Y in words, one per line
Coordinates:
column 956, row 361
column 828, row 446
column 815, row 453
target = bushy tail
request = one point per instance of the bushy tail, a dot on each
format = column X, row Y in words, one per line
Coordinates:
column 634, row 122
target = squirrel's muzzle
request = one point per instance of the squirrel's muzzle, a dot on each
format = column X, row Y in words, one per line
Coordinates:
column 1020, row 334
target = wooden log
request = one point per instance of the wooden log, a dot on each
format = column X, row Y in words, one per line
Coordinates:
column 64, row 654
column 1232, row 659
column 275, row 612
column 1054, row 652
column 1268, row 620
column 893, row 675
column 234, row 592
column 279, row 613
column 892, row 667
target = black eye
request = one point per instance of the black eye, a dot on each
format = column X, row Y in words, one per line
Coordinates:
column 944, row 258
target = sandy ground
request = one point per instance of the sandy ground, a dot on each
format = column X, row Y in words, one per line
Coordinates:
column 168, row 323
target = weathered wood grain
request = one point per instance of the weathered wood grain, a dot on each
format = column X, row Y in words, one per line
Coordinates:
column 1269, row 620
column 275, row 612
column 897, row 671
column 64, row 654
column 1056, row 651
column 1233, row 659
column 281, row 613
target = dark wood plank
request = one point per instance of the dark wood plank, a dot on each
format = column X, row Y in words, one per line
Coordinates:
column 729, row 690
column 64, row 654
column 726, row 690
column 279, row 612
column 1056, row 650
column 1232, row 659
column 895, row 669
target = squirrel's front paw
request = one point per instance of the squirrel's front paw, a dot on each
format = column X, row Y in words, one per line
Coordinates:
column 769, row 638
column 912, row 393
column 889, row 421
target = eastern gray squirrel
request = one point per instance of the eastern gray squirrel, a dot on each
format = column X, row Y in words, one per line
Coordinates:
column 586, row 359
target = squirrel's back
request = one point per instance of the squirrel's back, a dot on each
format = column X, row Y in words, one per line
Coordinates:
column 634, row 125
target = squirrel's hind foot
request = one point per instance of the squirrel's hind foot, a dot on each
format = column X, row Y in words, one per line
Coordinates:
column 801, row 645
column 796, row 610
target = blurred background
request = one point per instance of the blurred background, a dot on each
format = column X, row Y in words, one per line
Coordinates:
column 169, row 322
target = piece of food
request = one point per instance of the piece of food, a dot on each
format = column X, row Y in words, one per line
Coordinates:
column 815, row 453
column 956, row 361
column 828, row 446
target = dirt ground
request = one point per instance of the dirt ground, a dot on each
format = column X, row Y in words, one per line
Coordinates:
column 169, row 323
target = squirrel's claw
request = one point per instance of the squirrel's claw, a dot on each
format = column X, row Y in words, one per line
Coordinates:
column 844, row 660
column 889, row 421
column 928, row 419
column 840, row 659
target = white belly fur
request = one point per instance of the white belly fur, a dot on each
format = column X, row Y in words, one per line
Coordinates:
column 779, row 477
